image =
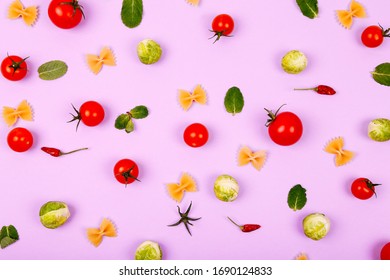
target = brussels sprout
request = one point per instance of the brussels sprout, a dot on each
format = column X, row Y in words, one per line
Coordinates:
column 294, row 62
column 226, row 188
column 149, row 51
column 54, row 214
column 379, row 130
column 148, row 250
column 316, row 226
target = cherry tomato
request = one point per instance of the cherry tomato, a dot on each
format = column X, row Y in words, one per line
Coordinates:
column 385, row 252
column 14, row 68
column 372, row 36
column 222, row 25
column 363, row 188
column 285, row 128
column 65, row 14
column 126, row 171
column 20, row 139
column 90, row 113
column 196, row 135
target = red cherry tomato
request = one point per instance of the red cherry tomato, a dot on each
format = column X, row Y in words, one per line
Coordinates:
column 385, row 252
column 363, row 188
column 91, row 113
column 372, row 36
column 65, row 14
column 20, row 139
column 196, row 135
column 126, row 171
column 285, row 128
column 222, row 25
column 14, row 68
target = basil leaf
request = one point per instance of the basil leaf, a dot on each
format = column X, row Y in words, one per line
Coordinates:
column 8, row 236
column 309, row 8
column 381, row 74
column 52, row 70
column 131, row 12
column 139, row 112
column 234, row 100
column 121, row 121
column 297, row 197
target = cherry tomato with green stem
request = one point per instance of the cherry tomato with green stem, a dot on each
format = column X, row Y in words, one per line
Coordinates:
column 20, row 139
column 363, row 188
column 196, row 135
column 222, row 25
column 126, row 171
column 284, row 128
column 14, row 68
column 65, row 14
column 373, row 35
column 91, row 113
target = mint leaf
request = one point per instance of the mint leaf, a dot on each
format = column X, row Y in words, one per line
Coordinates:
column 131, row 12
column 234, row 100
column 139, row 112
column 297, row 197
column 52, row 70
column 309, row 8
column 8, row 236
column 381, row 74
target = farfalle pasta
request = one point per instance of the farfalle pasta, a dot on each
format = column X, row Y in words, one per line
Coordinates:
column 345, row 17
column 336, row 147
column 107, row 228
column 186, row 98
column 96, row 62
column 193, row 2
column 29, row 14
column 23, row 111
column 186, row 184
column 246, row 156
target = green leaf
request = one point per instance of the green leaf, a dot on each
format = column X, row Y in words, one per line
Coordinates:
column 129, row 126
column 139, row 112
column 121, row 121
column 131, row 13
column 234, row 100
column 52, row 70
column 8, row 235
column 381, row 74
column 297, row 197
column 309, row 8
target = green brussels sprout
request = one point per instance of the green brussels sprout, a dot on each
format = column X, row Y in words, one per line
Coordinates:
column 379, row 130
column 226, row 188
column 54, row 214
column 316, row 226
column 294, row 62
column 149, row 51
column 148, row 250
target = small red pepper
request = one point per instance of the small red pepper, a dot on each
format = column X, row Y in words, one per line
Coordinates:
column 57, row 153
column 321, row 89
column 246, row 227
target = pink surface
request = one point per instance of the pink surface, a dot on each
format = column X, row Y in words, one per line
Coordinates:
column 264, row 32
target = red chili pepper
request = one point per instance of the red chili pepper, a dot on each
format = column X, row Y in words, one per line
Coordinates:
column 56, row 152
column 321, row 89
column 246, row 227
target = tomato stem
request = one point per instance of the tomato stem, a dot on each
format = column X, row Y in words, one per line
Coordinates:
column 272, row 115
column 385, row 32
column 77, row 117
column 219, row 34
column 372, row 186
column 127, row 175
column 76, row 6
column 16, row 65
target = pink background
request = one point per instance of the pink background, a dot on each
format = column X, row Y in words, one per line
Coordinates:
column 264, row 32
